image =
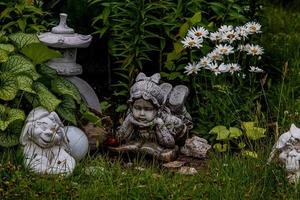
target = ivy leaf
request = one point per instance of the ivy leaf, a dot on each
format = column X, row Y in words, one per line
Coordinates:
column 9, row 115
column 221, row 147
column 25, row 84
column 8, row 87
column 121, row 108
column 235, row 132
column 18, row 65
column 67, row 109
column 7, row 47
column 64, row 87
column 3, row 56
column 45, row 97
column 39, row 53
column 221, row 131
column 23, row 39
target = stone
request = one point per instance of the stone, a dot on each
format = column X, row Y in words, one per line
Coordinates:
column 287, row 150
column 174, row 164
column 78, row 142
column 187, row 170
column 196, row 147
column 156, row 120
column 46, row 147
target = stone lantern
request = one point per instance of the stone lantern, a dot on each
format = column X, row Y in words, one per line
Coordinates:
column 64, row 39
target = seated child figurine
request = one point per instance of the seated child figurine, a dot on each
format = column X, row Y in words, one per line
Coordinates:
column 150, row 127
column 288, row 148
column 46, row 147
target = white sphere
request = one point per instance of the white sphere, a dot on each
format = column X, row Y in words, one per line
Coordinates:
column 78, row 142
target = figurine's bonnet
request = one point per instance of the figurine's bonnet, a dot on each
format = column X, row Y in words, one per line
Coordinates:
column 147, row 88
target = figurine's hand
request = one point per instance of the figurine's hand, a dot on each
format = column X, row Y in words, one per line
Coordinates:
column 158, row 121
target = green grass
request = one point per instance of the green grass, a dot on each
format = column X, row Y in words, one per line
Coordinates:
column 222, row 177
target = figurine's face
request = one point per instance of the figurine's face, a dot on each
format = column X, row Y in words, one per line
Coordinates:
column 46, row 132
column 143, row 111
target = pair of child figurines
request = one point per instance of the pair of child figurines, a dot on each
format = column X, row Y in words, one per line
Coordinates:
column 156, row 121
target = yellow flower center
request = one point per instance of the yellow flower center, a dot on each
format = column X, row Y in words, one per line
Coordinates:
column 192, row 43
column 198, row 34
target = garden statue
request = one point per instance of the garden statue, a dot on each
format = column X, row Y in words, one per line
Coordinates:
column 157, row 121
column 49, row 147
column 288, row 147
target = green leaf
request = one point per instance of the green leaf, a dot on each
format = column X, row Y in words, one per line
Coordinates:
column 252, row 132
column 178, row 47
column 3, row 56
column 242, row 145
column 64, row 87
column 235, row 132
column 7, row 47
column 45, row 97
column 250, row 154
column 25, row 84
column 23, row 39
column 121, row 108
column 10, row 115
column 221, row 131
column 184, row 29
column 8, row 140
column 196, row 18
column 67, row 110
column 8, row 87
column 18, row 65
column 47, row 71
column 91, row 117
column 39, row 53
column 221, row 148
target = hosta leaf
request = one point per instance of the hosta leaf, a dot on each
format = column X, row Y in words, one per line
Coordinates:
column 32, row 99
column 45, row 97
column 3, row 56
column 23, row 39
column 10, row 115
column 25, row 84
column 39, row 53
column 221, row 131
column 221, row 147
column 64, row 87
column 7, row 47
column 67, row 109
column 235, row 132
column 19, row 65
column 8, row 86
column 91, row 117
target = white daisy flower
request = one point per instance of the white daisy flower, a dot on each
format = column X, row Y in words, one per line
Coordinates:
column 198, row 32
column 230, row 36
column 215, row 36
column 253, row 27
column 189, row 42
column 242, row 31
column 224, row 49
column 215, row 56
column 254, row 50
column 224, row 68
column 205, row 61
column 234, row 67
column 214, row 67
column 192, row 68
column 256, row 69
column 225, row 28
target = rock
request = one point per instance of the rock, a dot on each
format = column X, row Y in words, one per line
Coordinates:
column 187, row 170
column 174, row 164
column 196, row 147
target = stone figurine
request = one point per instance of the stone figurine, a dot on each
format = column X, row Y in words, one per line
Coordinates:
column 157, row 120
column 47, row 143
column 288, row 148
